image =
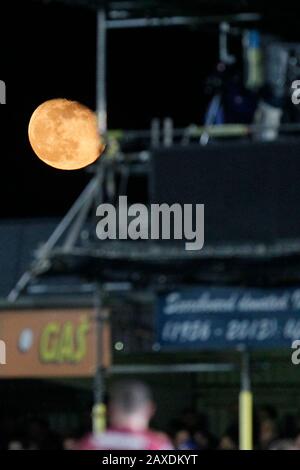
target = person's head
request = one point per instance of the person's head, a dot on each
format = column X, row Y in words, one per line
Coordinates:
column 181, row 438
column 130, row 405
column 69, row 443
column 297, row 439
column 283, row 444
column 202, row 439
column 230, row 439
column 15, row 445
column 267, row 432
column 227, row 442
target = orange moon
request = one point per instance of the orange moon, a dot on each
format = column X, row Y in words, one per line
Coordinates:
column 64, row 134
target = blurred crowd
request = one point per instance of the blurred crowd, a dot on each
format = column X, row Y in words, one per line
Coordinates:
column 192, row 431
column 189, row 431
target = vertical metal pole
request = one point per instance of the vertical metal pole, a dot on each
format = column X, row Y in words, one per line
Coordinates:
column 101, row 104
column 99, row 409
column 168, row 132
column 245, row 405
column 155, row 133
column 101, row 101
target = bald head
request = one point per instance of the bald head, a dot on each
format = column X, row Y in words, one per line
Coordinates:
column 129, row 396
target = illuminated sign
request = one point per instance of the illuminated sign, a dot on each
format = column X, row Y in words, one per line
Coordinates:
column 228, row 317
column 52, row 343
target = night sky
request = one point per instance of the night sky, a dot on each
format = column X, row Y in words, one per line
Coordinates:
column 48, row 51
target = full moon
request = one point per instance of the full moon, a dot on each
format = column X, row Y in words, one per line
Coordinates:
column 64, row 134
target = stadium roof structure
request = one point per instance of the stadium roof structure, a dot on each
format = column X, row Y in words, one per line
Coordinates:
column 74, row 250
column 68, row 252
column 205, row 10
column 155, row 13
column 166, row 7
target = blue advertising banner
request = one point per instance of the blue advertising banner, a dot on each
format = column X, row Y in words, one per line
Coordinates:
column 222, row 317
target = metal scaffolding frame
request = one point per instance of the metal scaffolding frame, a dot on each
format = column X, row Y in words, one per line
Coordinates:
column 68, row 231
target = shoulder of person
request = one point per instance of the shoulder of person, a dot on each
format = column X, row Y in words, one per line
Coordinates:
column 160, row 440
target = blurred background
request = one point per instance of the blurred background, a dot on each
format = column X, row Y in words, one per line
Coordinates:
column 202, row 108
